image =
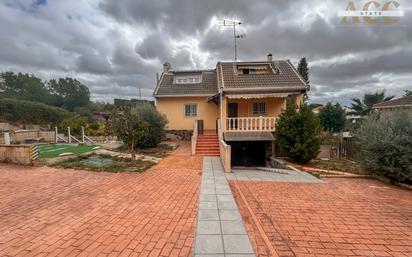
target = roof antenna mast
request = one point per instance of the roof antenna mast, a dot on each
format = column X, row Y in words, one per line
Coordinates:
column 233, row 23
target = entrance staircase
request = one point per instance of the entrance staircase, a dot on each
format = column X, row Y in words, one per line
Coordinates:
column 207, row 145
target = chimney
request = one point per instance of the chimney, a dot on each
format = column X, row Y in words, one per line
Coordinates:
column 270, row 57
column 166, row 67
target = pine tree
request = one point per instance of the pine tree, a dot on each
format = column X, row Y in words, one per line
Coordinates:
column 298, row 133
column 332, row 118
column 303, row 69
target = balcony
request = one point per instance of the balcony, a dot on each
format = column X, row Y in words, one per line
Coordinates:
column 248, row 124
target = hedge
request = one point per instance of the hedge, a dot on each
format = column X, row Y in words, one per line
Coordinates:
column 13, row 110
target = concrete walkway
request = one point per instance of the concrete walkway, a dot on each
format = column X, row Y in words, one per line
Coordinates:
column 292, row 176
column 220, row 231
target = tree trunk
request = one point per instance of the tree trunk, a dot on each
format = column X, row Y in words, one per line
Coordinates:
column 132, row 151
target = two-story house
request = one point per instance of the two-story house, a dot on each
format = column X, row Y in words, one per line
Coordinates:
column 231, row 110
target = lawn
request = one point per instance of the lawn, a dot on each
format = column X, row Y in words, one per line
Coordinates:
column 54, row 150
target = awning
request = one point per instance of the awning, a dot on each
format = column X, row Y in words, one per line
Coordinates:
column 215, row 98
column 262, row 95
column 249, row 136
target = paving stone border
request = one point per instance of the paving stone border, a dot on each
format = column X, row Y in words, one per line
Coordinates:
column 220, row 231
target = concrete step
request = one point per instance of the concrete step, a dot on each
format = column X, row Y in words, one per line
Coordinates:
column 208, row 151
column 207, row 143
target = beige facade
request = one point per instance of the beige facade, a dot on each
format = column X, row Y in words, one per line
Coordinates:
column 173, row 108
column 209, row 112
column 274, row 106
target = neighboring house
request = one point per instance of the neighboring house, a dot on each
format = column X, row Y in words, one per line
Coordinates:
column 316, row 110
column 243, row 99
column 395, row 104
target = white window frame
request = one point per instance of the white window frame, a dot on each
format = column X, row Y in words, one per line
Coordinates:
column 261, row 108
column 192, row 112
column 187, row 80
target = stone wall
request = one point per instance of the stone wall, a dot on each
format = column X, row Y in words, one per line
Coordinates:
column 18, row 154
column 179, row 134
column 102, row 139
column 22, row 136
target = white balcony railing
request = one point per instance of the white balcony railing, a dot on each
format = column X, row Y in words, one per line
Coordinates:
column 251, row 124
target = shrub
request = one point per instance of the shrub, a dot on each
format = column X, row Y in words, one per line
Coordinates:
column 128, row 126
column 298, row 133
column 75, row 123
column 156, row 125
column 31, row 112
column 386, row 145
column 96, row 128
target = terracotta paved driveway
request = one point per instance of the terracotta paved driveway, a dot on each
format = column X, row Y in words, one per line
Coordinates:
column 46, row 211
column 341, row 217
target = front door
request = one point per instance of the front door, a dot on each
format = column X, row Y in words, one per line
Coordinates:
column 232, row 110
column 232, row 113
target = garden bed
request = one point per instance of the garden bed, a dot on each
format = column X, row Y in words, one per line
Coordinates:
column 106, row 163
column 161, row 151
column 338, row 165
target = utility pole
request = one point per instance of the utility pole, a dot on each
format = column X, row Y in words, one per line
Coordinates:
column 140, row 93
column 233, row 23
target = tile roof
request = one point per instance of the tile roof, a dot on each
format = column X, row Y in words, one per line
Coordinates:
column 167, row 87
column 405, row 101
column 226, row 76
column 287, row 77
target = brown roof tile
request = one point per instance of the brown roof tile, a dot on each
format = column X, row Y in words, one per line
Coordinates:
column 208, row 85
column 287, row 76
column 405, row 101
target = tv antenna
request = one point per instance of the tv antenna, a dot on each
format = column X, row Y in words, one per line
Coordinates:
column 233, row 23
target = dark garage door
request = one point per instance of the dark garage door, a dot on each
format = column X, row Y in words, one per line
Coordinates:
column 250, row 153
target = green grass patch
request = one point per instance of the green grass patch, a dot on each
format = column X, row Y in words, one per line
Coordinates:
column 54, row 150
column 106, row 163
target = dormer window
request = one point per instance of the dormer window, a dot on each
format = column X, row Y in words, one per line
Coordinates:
column 248, row 71
column 187, row 79
column 253, row 69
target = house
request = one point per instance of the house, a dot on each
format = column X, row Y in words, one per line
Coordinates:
column 231, row 110
column 395, row 104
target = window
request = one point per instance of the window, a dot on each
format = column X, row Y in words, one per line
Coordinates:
column 190, row 110
column 248, row 71
column 188, row 80
column 259, row 108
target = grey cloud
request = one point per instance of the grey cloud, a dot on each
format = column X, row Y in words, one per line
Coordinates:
column 115, row 47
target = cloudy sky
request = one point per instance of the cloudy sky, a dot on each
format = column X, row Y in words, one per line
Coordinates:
column 117, row 46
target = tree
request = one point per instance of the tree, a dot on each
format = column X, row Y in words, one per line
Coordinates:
column 24, row 87
column 69, row 93
column 298, row 133
column 129, row 126
column 303, row 69
column 386, row 145
column 156, row 125
column 364, row 107
column 332, row 118
column 408, row 92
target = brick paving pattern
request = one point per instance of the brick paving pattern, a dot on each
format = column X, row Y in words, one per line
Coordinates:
column 54, row 212
column 341, row 217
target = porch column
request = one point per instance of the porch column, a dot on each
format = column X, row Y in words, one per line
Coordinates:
column 223, row 113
